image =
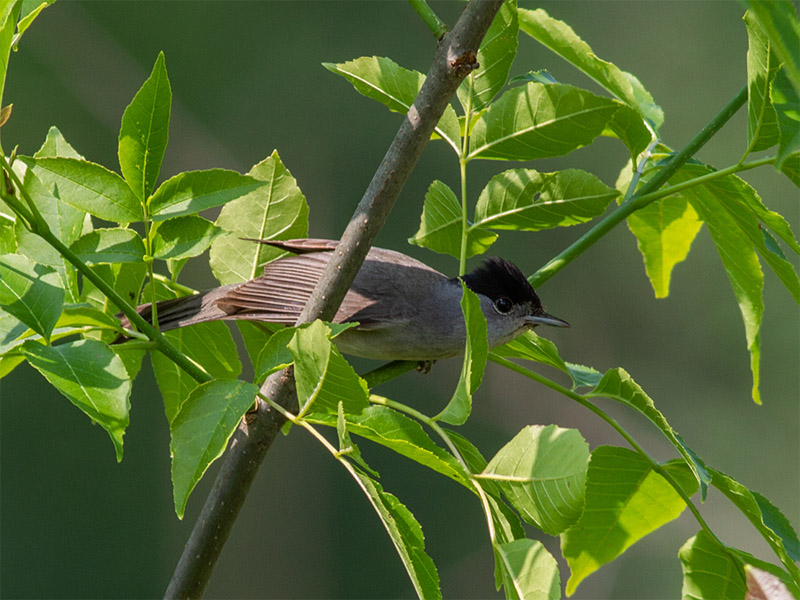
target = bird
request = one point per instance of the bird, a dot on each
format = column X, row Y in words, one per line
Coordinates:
column 405, row 309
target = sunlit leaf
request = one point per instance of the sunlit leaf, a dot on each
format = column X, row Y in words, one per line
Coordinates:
column 625, row 500
column 531, row 572
column 542, row 472
column 30, row 292
column 184, row 237
column 145, row 131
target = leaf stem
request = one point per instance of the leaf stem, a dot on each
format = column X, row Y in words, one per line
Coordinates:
column 196, row 372
column 617, row 427
column 430, row 18
column 634, row 203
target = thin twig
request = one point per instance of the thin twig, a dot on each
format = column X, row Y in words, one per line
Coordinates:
column 454, row 60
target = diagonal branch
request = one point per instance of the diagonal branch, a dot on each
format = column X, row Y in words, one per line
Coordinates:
column 455, row 59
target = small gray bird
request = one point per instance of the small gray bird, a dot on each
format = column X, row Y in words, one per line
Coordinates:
column 405, row 309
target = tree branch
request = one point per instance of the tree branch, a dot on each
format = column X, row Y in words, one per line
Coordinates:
column 455, row 59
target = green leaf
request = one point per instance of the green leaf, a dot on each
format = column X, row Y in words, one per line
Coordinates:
column 625, row 500
column 87, row 316
column 399, row 433
column 495, row 55
column 384, row 80
column 189, row 193
column 778, row 20
column 440, row 225
column 530, row 346
column 276, row 211
column 709, row 570
column 664, row 230
column 64, row 221
column 92, row 377
column 477, row 350
column 406, row 535
column 323, row 377
column 540, row 121
column 346, row 445
column 530, row 572
column 618, row 385
column 56, row 145
column 208, row 344
column 125, row 278
column 32, row 293
column 275, row 355
column 628, row 126
column 766, row 518
column 87, row 186
column 11, row 329
column 145, row 130
column 542, row 472
column 184, row 237
column 30, row 10
column 786, row 101
column 8, row 22
column 561, row 39
column 109, row 246
column 791, row 168
column 524, row 199
column 762, row 65
column 201, row 430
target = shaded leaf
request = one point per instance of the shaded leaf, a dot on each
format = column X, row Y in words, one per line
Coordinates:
column 201, row 430
column 476, row 351
column 406, row 535
column 109, row 246
column 778, row 20
column 92, row 377
column 786, row 101
column 32, row 293
column 762, row 65
column 530, row 571
column 766, row 518
column 709, row 571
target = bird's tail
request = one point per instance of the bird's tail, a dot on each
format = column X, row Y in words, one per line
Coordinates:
column 180, row 312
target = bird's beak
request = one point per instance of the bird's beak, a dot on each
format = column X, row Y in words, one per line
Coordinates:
column 544, row 319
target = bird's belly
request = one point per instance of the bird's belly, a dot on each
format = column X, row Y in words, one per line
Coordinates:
column 389, row 344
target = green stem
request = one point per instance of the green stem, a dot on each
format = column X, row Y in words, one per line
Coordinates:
column 462, row 261
column 135, row 318
column 619, row 429
column 388, row 372
column 430, row 18
column 634, row 203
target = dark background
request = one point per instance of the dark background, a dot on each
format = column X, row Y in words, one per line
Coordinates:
column 246, row 79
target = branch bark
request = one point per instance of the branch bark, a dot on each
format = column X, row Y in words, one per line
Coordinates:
column 455, row 58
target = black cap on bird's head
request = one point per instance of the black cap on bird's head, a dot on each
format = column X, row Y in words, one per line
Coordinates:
column 506, row 286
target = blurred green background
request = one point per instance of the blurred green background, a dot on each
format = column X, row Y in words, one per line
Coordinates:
column 246, row 79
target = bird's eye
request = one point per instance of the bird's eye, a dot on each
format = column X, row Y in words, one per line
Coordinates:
column 503, row 305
